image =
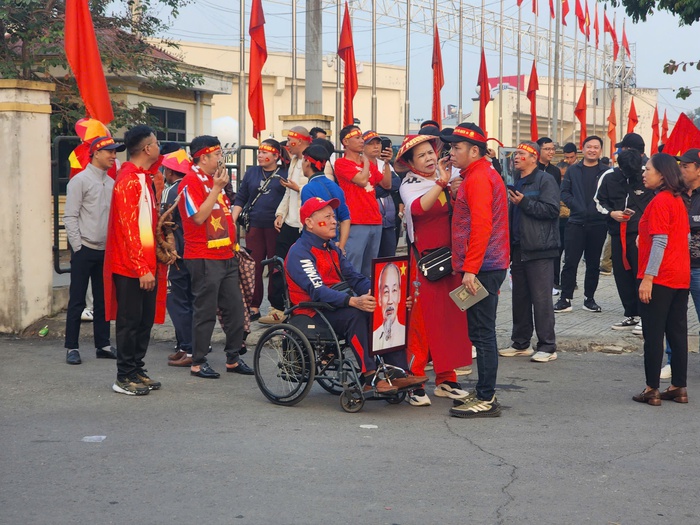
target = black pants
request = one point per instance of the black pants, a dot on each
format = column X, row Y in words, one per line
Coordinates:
column 136, row 310
column 387, row 245
column 285, row 239
column 481, row 319
column 532, row 290
column 557, row 261
column 626, row 280
column 580, row 239
column 86, row 265
column 666, row 314
column 215, row 283
column 179, row 304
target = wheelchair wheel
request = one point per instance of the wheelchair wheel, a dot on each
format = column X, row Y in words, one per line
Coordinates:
column 352, row 400
column 284, row 365
column 330, row 381
column 397, row 399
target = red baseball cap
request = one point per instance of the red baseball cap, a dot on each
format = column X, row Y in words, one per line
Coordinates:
column 313, row 205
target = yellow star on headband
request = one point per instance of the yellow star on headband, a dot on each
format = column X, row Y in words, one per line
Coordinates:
column 216, row 224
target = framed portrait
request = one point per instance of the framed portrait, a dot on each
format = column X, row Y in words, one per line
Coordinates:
column 389, row 287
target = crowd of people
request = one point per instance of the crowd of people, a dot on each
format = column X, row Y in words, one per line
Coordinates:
column 331, row 218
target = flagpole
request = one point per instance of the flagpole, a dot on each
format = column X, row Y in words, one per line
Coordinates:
column 500, row 77
column 595, row 72
column 561, row 88
column 549, row 78
column 517, row 105
column 585, row 59
column 605, row 77
column 622, row 84
column 241, row 80
column 461, row 61
column 374, row 66
column 573, row 119
column 535, row 52
column 294, row 57
column 557, row 58
column 338, row 92
column 407, row 103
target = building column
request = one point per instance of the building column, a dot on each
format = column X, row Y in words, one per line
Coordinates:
column 25, row 204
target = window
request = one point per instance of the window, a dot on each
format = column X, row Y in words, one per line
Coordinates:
column 172, row 121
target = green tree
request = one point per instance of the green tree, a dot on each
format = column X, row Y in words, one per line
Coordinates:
column 695, row 116
column 33, row 50
column 687, row 11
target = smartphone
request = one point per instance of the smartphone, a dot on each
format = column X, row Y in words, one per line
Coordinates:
column 386, row 143
column 628, row 212
column 511, row 188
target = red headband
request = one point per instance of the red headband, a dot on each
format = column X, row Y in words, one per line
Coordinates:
column 204, row 151
column 295, row 135
column 318, row 164
column 269, row 148
column 354, row 133
column 469, row 134
column 529, row 149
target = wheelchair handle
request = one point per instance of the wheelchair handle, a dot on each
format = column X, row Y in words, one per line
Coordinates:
column 320, row 306
column 276, row 262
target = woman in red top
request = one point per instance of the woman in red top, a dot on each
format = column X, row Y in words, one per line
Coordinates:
column 436, row 328
column 664, row 274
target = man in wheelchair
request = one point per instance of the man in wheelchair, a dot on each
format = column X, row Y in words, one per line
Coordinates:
column 317, row 271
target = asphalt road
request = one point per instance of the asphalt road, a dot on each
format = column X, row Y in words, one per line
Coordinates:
column 571, row 447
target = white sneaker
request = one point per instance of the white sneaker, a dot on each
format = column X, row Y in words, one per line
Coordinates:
column 555, row 292
column 628, row 323
column 543, row 357
column 665, row 372
column 638, row 329
column 451, row 390
column 473, row 352
column 463, row 370
column 86, row 316
column 418, row 398
column 516, row 352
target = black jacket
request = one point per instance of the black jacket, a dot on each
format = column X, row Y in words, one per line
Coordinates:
column 539, row 217
column 552, row 170
column 573, row 195
column 616, row 192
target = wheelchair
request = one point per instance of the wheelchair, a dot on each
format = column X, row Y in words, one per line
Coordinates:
column 302, row 349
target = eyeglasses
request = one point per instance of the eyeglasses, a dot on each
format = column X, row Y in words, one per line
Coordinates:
column 552, row 148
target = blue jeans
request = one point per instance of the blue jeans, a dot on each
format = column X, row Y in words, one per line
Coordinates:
column 363, row 246
column 482, row 331
column 695, row 294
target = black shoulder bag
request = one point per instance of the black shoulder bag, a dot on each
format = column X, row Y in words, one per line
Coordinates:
column 435, row 264
column 244, row 217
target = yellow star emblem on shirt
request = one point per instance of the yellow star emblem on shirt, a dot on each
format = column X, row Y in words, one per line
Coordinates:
column 216, row 224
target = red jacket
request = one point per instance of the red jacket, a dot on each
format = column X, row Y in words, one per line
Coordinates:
column 130, row 249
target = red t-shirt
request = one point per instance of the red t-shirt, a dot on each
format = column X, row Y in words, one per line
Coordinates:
column 362, row 202
column 195, row 187
column 666, row 215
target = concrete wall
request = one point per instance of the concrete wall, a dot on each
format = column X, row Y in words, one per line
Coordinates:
column 25, row 204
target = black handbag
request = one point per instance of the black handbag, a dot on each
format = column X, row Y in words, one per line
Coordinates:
column 436, row 264
column 244, row 217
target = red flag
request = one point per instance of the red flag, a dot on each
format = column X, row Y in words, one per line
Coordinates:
column 588, row 23
column 612, row 127
column 608, row 28
column 535, row 8
column 625, row 43
column 552, row 12
column 685, row 135
column 346, row 52
column 520, row 2
column 581, row 17
column 84, row 58
column 532, row 87
column 596, row 27
column 564, row 10
column 580, row 113
column 438, row 78
column 258, row 56
column 664, row 129
column 632, row 119
column 484, row 91
column 655, row 132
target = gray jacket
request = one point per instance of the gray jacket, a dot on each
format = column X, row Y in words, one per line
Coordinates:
column 86, row 213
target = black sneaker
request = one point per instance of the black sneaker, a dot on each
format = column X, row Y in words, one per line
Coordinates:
column 562, row 305
column 591, row 306
column 475, row 407
column 142, row 377
column 628, row 323
column 130, row 387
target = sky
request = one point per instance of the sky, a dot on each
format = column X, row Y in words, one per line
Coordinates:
column 654, row 42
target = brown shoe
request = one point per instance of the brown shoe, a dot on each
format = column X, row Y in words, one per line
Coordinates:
column 409, row 381
column 183, row 361
column 651, row 397
column 382, row 387
column 679, row 395
column 177, row 355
